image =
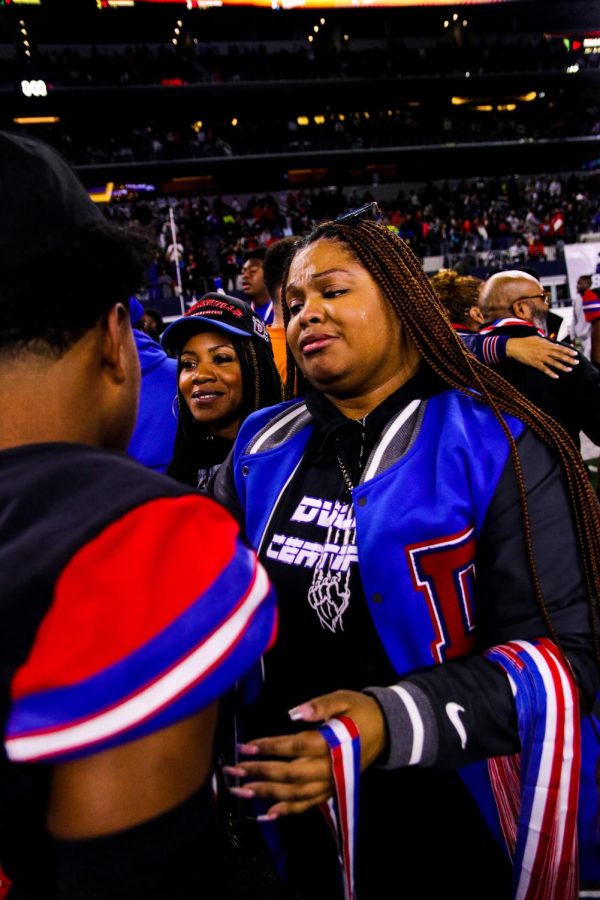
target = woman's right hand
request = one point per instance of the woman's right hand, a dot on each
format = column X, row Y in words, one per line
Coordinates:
column 298, row 775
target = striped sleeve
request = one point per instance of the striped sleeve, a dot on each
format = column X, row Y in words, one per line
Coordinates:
column 411, row 726
column 493, row 349
column 591, row 306
column 152, row 620
column 489, row 349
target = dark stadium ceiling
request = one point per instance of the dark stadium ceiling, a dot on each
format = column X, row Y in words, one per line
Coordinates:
column 149, row 21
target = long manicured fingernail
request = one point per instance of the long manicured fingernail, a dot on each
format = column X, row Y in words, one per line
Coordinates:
column 248, row 749
column 235, row 771
column 244, row 793
column 267, row 817
column 299, row 713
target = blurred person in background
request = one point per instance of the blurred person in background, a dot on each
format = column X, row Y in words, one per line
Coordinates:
column 515, row 305
column 591, row 309
column 253, row 284
column 459, row 295
column 153, row 437
column 276, row 259
column 152, row 323
column 228, row 267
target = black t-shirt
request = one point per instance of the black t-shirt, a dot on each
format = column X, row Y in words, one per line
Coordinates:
column 327, row 638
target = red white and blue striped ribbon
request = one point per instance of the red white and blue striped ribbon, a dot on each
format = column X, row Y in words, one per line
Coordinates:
column 536, row 791
column 501, row 323
column 341, row 811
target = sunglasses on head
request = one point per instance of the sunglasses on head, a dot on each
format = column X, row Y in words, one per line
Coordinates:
column 369, row 212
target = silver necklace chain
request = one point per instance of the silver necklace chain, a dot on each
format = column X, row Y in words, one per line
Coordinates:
column 345, row 474
column 343, row 469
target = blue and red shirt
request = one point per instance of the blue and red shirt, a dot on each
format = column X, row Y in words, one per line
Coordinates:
column 128, row 603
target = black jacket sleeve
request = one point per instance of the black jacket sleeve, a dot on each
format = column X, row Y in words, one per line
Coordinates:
column 221, row 488
column 506, row 609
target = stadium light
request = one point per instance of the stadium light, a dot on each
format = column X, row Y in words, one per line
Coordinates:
column 35, row 120
column 36, row 88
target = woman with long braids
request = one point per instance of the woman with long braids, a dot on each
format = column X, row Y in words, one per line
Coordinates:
column 435, row 546
column 225, row 371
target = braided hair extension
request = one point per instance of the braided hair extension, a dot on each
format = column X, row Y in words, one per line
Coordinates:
column 401, row 278
column 261, row 386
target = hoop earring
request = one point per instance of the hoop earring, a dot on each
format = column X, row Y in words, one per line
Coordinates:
column 175, row 407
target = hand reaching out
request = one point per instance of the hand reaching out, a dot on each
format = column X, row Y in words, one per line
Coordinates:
column 298, row 774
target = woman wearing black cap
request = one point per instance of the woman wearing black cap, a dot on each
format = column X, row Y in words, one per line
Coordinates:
column 226, row 371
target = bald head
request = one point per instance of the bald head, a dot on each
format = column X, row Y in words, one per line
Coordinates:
column 502, row 294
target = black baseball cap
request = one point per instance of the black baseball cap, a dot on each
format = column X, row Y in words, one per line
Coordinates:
column 218, row 312
column 43, row 204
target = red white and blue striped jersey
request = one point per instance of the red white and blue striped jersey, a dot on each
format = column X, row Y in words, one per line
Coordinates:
column 591, row 305
column 128, row 603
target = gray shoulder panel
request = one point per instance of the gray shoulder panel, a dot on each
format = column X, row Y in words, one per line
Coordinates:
column 280, row 429
column 396, row 439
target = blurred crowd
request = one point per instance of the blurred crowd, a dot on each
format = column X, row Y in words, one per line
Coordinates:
column 416, row 123
column 526, row 219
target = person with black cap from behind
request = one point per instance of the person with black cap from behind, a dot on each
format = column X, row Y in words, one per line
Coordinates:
column 129, row 604
column 226, row 370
